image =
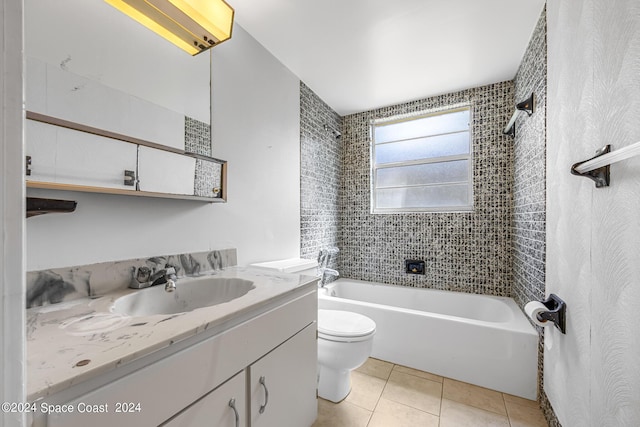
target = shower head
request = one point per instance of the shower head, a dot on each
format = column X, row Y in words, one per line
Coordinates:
column 336, row 133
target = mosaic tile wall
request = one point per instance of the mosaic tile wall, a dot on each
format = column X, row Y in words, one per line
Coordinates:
column 530, row 173
column 529, row 224
column 197, row 139
column 467, row 252
column 197, row 136
column 320, row 164
column 208, row 178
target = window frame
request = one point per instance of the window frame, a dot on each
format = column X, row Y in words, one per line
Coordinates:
column 373, row 167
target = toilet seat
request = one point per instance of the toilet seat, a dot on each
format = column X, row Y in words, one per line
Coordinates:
column 344, row 326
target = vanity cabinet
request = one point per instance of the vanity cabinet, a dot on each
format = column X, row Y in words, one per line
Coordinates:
column 223, row 407
column 198, row 377
column 282, row 389
column 283, row 383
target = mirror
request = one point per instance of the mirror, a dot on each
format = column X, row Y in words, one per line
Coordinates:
column 112, row 107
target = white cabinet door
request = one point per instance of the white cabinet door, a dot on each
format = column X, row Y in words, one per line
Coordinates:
column 65, row 156
column 165, row 172
column 223, row 407
column 283, row 383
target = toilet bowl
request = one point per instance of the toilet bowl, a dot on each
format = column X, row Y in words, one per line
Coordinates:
column 345, row 339
column 344, row 343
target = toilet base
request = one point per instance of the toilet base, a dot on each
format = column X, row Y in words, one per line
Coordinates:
column 333, row 385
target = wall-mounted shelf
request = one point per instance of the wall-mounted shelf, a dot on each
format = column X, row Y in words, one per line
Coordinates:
column 597, row 168
column 167, row 172
column 102, row 190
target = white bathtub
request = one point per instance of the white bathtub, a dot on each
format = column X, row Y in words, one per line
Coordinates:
column 477, row 339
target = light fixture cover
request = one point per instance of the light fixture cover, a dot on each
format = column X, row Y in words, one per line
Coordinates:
column 192, row 25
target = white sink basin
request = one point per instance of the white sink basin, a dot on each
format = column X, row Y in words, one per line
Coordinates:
column 190, row 294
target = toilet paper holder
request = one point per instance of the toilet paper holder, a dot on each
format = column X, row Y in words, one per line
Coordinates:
column 556, row 314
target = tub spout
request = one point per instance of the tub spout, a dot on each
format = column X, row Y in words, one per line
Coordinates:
column 330, row 272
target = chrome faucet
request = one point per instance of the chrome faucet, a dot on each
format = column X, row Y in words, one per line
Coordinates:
column 145, row 278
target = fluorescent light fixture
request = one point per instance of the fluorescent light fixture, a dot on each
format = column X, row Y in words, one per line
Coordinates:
column 192, row 25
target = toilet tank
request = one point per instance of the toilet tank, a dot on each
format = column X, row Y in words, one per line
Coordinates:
column 307, row 267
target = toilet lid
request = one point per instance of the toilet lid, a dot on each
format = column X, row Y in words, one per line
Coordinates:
column 338, row 323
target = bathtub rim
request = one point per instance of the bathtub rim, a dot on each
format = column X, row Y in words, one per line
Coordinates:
column 518, row 324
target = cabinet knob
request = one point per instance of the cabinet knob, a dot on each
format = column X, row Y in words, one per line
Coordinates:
column 266, row 395
column 130, row 178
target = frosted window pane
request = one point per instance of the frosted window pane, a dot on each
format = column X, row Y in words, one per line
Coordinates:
column 423, row 197
column 423, row 174
column 432, row 125
column 456, row 171
column 423, row 148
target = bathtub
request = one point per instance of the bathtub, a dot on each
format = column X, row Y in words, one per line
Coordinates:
column 477, row 339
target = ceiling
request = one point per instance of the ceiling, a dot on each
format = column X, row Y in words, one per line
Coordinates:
column 358, row 55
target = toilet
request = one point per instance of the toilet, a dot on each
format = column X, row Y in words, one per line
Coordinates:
column 345, row 338
column 344, row 343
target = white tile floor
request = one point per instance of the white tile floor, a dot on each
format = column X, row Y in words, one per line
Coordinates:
column 388, row 395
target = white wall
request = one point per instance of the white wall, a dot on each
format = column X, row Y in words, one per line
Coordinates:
column 592, row 374
column 12, row 278
column 255, row 128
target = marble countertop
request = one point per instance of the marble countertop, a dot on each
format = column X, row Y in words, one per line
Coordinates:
column 77, row 340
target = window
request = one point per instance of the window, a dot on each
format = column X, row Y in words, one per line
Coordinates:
column 422, row 163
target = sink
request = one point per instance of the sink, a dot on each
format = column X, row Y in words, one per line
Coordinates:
column 190, row 294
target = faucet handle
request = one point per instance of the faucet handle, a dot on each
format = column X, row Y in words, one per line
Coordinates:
column 140, row 277
column 143, row 274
